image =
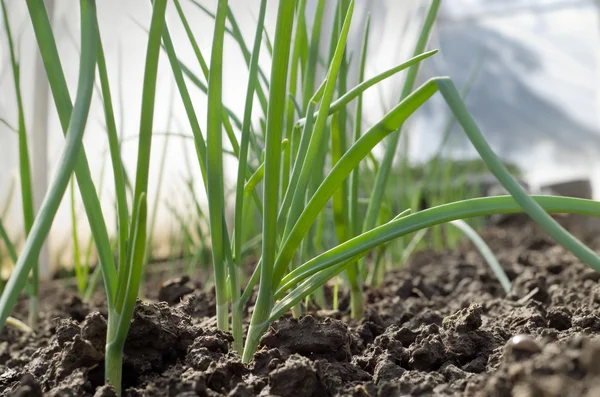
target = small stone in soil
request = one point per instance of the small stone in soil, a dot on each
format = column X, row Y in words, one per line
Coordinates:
column 524, row 343
column 105, row 391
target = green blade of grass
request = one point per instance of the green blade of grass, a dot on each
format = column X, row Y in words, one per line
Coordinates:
column 316, row 138
column 293, row 83
column 161, row 167
column 145, row 140
column 10, row 247
column 412, row 245
column 91, row 282
column 336, row 30
column 309, row 73
column 81, row 278
column 392, row 144
column 433, row 170
column 454, row 101
column 196, row 81
column 9, row 196
column 353, row 211
column 238, row 37
column 90, row 285
column 115, row 157
column 225, row 117
column 259, row 174
column 241, row 190
column 116, row 336
column 24, row 164
column 191, row 38
column 268, row 42
column 309, row 248
column 135, row 270
column 62, row 100
column 307, row 287
column 354, row 179
column 362, row 244
column 485, row 251
column 340, row 199
column 12, row 253
column 177, row 67
column 130, row 272
column 67, row 162
column 253, row 83
column 9, row 126
column 214, row 165
column 274, row 134
column 355, row 92
column 301, row 152
column 200, row 144
column 24, row 167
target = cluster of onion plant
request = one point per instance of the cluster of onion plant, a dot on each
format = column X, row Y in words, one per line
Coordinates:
column 292, row 197
column 122, row 281
column 303, row 126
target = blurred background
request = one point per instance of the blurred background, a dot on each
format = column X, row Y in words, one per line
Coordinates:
column 529, row 70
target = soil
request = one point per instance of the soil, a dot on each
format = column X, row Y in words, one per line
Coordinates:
column 442, row 326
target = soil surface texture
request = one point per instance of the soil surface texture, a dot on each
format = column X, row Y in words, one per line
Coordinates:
column 441, row 326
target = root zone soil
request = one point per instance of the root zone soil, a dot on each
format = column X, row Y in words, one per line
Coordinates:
column 440, row 327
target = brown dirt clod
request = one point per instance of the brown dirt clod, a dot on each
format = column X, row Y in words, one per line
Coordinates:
column 441, row 326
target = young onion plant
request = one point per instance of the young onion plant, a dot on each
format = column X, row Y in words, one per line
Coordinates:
column 294, row 193
column 298, row 133
column 122, row 282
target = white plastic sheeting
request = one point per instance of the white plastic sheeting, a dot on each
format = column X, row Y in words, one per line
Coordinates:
column 535, row 96
column 124, row 44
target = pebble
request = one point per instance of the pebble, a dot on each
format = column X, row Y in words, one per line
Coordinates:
column 524, row 343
